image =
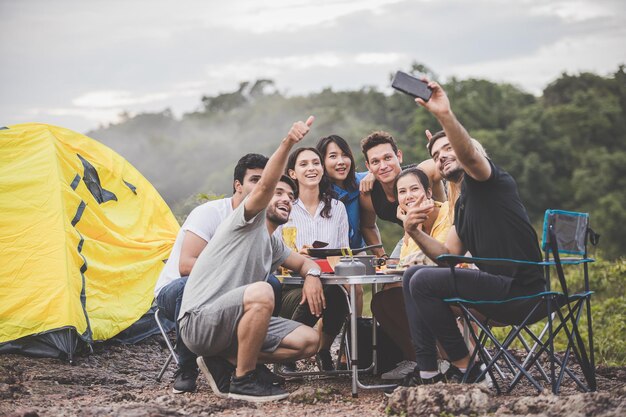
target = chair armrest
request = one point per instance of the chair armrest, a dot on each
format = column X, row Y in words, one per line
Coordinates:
column 456, row 259
column 452, row 260
column 570, row 261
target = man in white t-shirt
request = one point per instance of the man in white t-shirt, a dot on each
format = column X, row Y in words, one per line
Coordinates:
column 197, row 230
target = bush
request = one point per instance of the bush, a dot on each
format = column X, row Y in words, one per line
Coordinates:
column 609, row 326
column 608, row 310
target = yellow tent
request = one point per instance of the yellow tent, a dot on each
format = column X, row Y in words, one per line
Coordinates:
column 83, row 238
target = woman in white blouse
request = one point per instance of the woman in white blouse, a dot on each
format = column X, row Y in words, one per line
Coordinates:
column 316, row 216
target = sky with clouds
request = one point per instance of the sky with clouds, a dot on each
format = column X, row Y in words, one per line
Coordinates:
column 79, row 64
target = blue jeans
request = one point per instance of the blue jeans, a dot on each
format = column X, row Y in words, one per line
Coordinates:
column 170, row 298
column 277, row 287
column 168, row 301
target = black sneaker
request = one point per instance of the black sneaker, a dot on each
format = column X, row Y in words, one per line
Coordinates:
column 413, row 379
column 289, row 371
column 185, row 379
column 290, row 367
column 252, row 388
column 218, row 372
column 325, row 361
column 454, row 374
column 264, row 373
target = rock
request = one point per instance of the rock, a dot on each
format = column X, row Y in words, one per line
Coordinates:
column 12, row 391
column 310, row 395
column 5, row 391
column 123, row 396
column 24, row 413
column 578, row 405
column 531, row 405
column 440, row 399
column 139, row 410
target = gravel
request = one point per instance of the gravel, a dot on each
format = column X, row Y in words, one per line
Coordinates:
column 119, row 380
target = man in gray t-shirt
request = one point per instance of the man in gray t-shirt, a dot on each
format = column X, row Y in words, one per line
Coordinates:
column 240, row 253
column 225, row 316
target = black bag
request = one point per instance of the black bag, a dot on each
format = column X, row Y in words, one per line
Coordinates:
column 388, row 353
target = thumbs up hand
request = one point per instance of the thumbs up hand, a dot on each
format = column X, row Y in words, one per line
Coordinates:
column 299, row 130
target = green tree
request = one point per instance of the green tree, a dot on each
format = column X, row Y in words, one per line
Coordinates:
column 566, row 149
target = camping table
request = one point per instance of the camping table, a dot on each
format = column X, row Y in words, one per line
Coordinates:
column 351, row 282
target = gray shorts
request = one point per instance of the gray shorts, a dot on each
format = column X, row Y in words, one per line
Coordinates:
column 211, row 330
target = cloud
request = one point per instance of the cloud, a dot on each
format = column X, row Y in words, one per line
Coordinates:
column 535, row 71
column 146, row 55
column 90, row 114
column 277, row 66
column 379, row 58
column 107, row 99
column 573, row 11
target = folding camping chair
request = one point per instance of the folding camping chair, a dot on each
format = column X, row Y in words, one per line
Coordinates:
column 563, row 232
column 169, row 346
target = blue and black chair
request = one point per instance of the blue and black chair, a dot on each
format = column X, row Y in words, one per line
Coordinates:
column 567, row 233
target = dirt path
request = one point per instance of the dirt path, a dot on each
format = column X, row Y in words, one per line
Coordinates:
column 120, row 381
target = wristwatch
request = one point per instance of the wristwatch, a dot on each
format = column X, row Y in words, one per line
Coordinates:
column 314, row 272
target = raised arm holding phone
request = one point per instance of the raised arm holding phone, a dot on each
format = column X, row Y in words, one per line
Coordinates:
column 490, row 221
column 453, row 155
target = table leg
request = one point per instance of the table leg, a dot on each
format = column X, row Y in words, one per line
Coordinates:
column 354, row 362
column 355, row 377
column 374, row 335
column 355, row 343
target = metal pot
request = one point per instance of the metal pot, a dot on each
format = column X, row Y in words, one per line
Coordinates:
column 370, row 262
column 348, row 267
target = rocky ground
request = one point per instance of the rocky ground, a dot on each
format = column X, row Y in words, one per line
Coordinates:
column 120, row 381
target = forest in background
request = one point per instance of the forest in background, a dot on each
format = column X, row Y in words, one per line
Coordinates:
column 566, row 148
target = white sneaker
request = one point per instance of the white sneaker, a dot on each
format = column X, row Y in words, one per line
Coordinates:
column 400, row 371
column 488, row 382
column 443, row 366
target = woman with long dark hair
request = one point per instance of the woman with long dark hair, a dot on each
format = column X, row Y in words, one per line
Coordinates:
column 315, row 216
column 340, row 169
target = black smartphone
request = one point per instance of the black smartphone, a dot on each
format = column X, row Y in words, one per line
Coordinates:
column 319, row 244
column 412, row 86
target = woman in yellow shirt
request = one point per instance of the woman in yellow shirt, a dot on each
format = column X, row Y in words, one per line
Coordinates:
column 412, row 188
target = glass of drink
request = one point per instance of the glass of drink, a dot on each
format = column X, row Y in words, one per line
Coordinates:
column 289, row 237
